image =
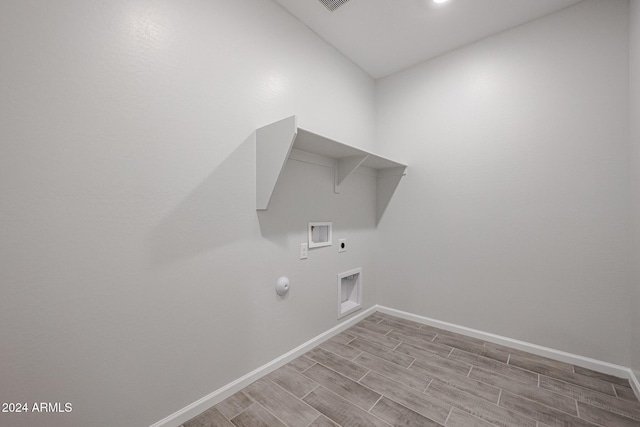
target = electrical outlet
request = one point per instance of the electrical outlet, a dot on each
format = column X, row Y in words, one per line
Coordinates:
column 304, row 250
column 342, row 245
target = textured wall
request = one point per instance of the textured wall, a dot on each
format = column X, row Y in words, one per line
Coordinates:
column 514, row 217
column 136, row 275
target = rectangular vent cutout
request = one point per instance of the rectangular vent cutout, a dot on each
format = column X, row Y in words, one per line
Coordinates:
column 333, row 4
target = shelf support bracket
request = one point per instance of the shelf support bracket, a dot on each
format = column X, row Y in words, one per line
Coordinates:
column 345, row 168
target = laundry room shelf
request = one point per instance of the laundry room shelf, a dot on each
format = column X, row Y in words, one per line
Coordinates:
column 279, row 141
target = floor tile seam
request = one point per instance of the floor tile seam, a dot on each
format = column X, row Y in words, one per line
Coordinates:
column 418, row 338
column 501, row 388
column 448, row 415
column 635, row 399
column 375, row 403
column 235, row 415
column 505, row 364
column 360, row 337
column 295, row 397
column 469, row 395
column 586, row 401
column 541, row 359
column 441, row 380
column 426, row 349
column 390, row 350
column 483, row 420
column 268, row 411
column 335, row 354
column 627, row 383
column 408, row 371
column 305, row 370
column 323, row 415
column 382, row 374
column 241, row 412
column 494, row 372
column 386, row 348
column 356, row 356
column 338, row 373
column 615, row 411
column 411, row 364
column 445, row 404
column 425, row 389
column 410, row 330
column 344, row 376
column 615, row 392
column 435, row 362
column 496, row 405
column 539, row 401
column 309, row 392
column 348, row 401
column 396, row 365
column 365, row 374
column 586, row 388
column 477, row 346
column 326, row 349
column 540, row 373
column 574, row 373
column 579, row 385
column 550, row 407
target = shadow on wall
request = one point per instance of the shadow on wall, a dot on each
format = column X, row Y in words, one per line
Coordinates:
column 222, row 209
column 305, row 193
column 216, row 213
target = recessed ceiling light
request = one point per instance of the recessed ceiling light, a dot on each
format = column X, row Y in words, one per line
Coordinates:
column 440, row 1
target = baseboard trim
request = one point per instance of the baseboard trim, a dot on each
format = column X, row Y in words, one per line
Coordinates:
column 201, row 405
column 574, row 359
column 635, row 384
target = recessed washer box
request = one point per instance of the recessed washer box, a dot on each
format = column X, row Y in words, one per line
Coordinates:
column 320, row 234
column 349, row 292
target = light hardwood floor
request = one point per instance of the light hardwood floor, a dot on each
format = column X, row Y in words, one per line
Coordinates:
column 390, row 371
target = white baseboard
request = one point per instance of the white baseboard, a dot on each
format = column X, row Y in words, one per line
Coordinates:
column 201, row 405
column 190, row 411
column 574, row 359
column 635, row 384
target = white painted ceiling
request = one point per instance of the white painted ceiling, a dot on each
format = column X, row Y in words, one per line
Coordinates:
column 385, row 36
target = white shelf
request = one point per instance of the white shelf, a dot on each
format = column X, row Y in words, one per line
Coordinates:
column 274, row 145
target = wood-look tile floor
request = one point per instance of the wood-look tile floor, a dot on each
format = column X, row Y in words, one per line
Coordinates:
column 389, row 371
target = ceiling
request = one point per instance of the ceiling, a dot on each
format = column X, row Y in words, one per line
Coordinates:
column 386, row 36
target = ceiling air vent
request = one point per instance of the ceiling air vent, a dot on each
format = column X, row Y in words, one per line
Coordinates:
column 333, row 4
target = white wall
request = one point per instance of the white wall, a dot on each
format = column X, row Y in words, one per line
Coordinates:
column 514, row 216
column 634, row 74
column 136, row 275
